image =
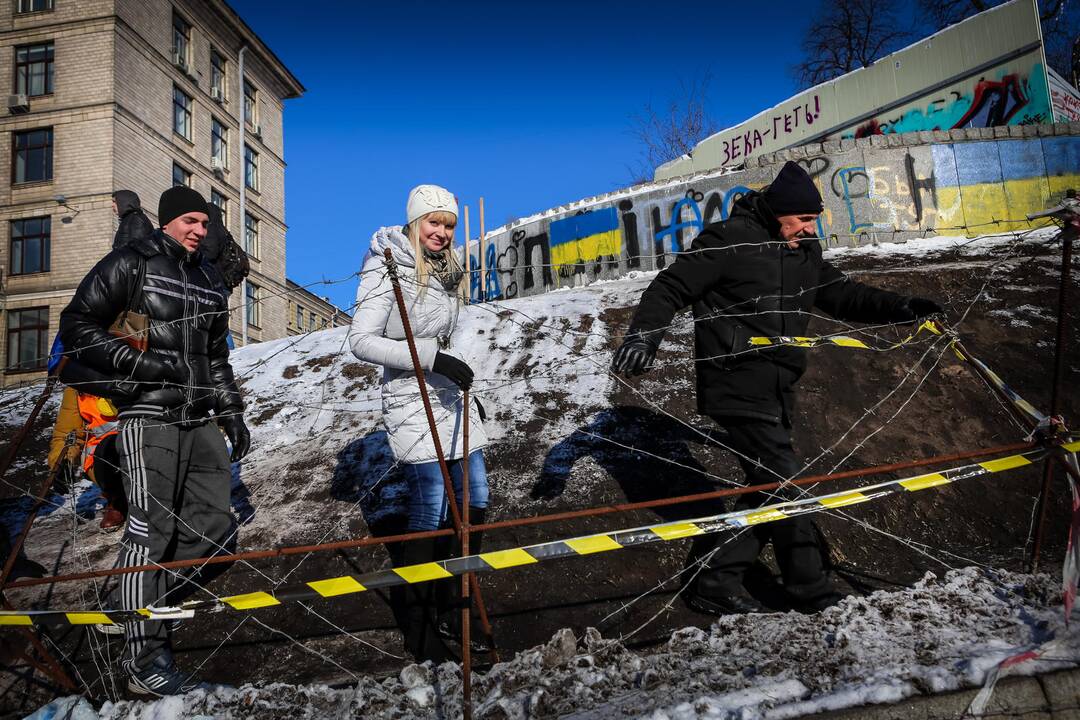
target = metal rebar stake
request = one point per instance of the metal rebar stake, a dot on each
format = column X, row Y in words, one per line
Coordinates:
column 466, row 579
column 448, row 485
column 1067, row 235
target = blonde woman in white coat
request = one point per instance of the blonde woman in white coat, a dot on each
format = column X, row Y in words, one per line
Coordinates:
column 430, row 272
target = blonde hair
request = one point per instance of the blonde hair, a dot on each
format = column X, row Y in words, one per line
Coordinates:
column 423, row 269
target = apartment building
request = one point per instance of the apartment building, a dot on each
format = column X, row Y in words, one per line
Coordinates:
column 308, row 312
column 138, row 95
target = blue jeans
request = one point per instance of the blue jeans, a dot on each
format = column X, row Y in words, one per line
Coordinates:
column 427, row 494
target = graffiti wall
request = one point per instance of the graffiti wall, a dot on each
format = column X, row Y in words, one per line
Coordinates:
column 1063, row 96
column 987, row 71
column 873, row 192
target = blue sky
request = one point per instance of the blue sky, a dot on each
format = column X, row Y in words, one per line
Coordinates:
column 527, row 105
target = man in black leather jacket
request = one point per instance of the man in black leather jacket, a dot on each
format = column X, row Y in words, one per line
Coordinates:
column 175, row 464
column 759, row 273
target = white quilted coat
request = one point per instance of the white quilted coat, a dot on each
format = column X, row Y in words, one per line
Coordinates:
column 377, row 337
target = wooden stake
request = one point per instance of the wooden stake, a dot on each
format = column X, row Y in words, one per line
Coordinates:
column 468, row 259
column 483, row 255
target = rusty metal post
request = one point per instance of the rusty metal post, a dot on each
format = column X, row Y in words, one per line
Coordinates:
column 41, row 497
column 20, row 437
column 448, row 485
column 466, row 610
column 49, row 665
column 1067, row 235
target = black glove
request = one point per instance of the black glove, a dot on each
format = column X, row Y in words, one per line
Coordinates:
column 480, row 410
column 450, row 367
column 238, row 435
column 634, row 356
column 916, row 308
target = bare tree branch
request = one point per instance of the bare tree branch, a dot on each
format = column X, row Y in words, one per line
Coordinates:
column 847, row 35
column 673, row 131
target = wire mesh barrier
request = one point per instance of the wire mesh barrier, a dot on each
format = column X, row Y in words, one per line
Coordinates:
column 1049, row 439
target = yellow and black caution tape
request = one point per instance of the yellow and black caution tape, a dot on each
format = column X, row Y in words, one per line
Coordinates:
column 839, row 340
column 542, row 552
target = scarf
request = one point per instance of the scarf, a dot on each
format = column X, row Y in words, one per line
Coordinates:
column 440, row 265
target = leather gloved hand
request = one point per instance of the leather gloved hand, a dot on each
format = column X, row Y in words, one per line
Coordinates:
column 456, row 370
column 238, row 434
column 480, row 409
column 634, row 356
column 917, row 308
column 155, row 367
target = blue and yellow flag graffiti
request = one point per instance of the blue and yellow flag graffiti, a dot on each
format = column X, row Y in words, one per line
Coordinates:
column 585, row 237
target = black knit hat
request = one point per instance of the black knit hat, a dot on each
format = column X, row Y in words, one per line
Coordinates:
column 178, row 200
column 793, row 192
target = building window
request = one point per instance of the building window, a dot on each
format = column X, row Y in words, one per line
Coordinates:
column 251, row 235
column 180, row 176
column 251, row 103
column 30, row 245
column 33, row 151
column 27, row 333
column 34, row 70
column 299, row 317
column 181, row 123
column 218, row 77
column 311, row 322
column 222, row 203
column 253, row 292
column 29, row 6
column 219, row 143
column 251, row 168
column 181, row 42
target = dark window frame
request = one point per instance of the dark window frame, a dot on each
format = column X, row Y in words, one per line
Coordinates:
column 41, row 357
column 49, row 62
column 187, row 110
column 48, row 159
column 251, row 103
column 181, row 29
column 221, row 137
column 184, row 174
column 251, row 242
column 251, row 168
column 44, row 241
column 299, row 317
column 50, row 5
column 219, row 74
column 223, row 206
column 251, row 305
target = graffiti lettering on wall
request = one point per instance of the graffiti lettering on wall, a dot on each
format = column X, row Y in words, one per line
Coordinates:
column 783, row 123
column 1008, row 100
column 870, row 193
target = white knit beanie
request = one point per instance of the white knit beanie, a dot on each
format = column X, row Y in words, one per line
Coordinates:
column 424, row 199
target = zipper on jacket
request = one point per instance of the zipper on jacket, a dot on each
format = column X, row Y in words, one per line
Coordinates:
column 186, row 344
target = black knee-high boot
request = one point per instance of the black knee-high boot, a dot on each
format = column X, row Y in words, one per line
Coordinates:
column 417, row 617
column 448, row 592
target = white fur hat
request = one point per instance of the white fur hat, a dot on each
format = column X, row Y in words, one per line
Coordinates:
column 424, row 199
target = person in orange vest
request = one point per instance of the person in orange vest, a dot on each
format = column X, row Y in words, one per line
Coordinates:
column 91, row 422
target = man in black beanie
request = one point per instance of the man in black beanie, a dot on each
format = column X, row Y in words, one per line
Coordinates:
column 170, row 393
column 758, row 273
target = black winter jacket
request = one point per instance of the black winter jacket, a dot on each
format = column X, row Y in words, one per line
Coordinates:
column 133, row 221
column 743, row 281
column 185, row 373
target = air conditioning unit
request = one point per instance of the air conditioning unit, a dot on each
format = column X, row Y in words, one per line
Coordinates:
column 256, row 130
column 18, row 104
column 217, row 94
column 179, row 61
column 217, row 165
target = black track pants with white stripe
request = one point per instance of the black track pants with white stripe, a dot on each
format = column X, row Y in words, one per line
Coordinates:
column 177, row 484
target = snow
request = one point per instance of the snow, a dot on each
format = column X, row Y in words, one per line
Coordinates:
column 942, row 634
